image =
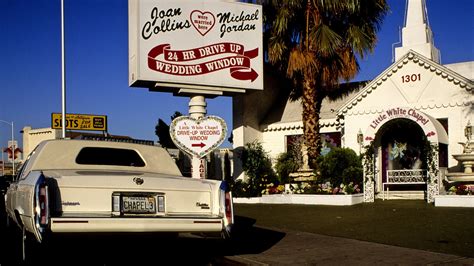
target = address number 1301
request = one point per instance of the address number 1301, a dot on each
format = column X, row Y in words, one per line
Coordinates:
column 411, row 78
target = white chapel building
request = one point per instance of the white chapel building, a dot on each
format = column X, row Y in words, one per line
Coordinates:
column 414, row 99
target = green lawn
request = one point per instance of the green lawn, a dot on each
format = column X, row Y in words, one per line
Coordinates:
column 405, row 223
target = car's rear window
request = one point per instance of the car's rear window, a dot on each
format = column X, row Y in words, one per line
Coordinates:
column 109, row 156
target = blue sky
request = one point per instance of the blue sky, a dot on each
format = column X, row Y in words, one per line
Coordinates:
column 97, row 62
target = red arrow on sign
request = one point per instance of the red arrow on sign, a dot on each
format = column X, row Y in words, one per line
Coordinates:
column 198, row 145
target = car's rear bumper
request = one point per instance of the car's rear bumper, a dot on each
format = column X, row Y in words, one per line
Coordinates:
column 115, row 224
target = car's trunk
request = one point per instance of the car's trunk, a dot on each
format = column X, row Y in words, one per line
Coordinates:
column 90, row 193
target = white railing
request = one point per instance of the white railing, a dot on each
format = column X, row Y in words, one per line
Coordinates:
column 404, row 177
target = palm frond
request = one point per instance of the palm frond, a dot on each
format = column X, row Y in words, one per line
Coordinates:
column 301, row 62
column 338, row 6
column 359, row 40
column 350, row 66
column 324, row 41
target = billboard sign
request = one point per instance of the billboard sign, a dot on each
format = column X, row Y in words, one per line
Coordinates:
column 80, row 122
column 196, row 44
column 198, row 136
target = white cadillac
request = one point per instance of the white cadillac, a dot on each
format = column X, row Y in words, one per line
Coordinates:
column 77, row 186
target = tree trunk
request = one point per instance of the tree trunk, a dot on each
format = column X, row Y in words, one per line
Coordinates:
column 310, row 104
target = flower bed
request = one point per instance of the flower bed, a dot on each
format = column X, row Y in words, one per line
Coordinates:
column 314, row 188
column 309, row 199
column 458, row 195
column 305, row 193
column 461, row 189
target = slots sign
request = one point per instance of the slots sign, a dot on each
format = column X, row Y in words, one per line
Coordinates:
column 80, row 122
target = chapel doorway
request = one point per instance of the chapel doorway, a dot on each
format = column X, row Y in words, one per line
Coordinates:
column 403, row 148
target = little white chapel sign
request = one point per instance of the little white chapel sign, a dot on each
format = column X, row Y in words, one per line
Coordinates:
column 399, row 112
column 198, row 136
column 422, row 119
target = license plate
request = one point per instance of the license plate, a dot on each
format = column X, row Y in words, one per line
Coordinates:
column 138, row 204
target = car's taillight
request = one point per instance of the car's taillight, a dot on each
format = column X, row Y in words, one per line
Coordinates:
column 226, row 209
column 42, row 206
column 229, row 211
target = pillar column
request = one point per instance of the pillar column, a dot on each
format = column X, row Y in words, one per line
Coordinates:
column 197, row 110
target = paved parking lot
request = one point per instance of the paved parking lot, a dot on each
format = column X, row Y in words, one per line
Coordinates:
column 301, row 248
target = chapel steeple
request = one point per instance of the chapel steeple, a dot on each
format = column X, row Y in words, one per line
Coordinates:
column 416, row 33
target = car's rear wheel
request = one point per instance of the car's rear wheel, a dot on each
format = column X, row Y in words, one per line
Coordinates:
column 3, row 231
column 3, row 214
column 22, row 245
column 13, row 251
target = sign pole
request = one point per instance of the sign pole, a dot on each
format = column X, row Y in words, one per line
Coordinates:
column 3, row 163
column 13, row 151
column 63, row 76
column 197, row 110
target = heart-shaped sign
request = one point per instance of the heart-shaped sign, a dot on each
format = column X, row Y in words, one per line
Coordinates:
column 202, row 21
column 198, row 136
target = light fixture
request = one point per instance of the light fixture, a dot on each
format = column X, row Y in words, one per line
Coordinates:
column 360, row 137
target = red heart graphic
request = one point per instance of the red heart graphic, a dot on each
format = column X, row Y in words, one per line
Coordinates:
column 202, row 21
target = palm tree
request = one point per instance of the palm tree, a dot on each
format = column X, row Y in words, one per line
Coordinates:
column 316, row 42
column 162, row 131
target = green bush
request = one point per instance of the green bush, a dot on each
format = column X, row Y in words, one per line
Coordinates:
column 242, row 189
column 258, row 167
column 285, row 165
column 340, row 166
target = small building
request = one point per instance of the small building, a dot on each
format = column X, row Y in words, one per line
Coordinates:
column 33, row 137
column 415, row 98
